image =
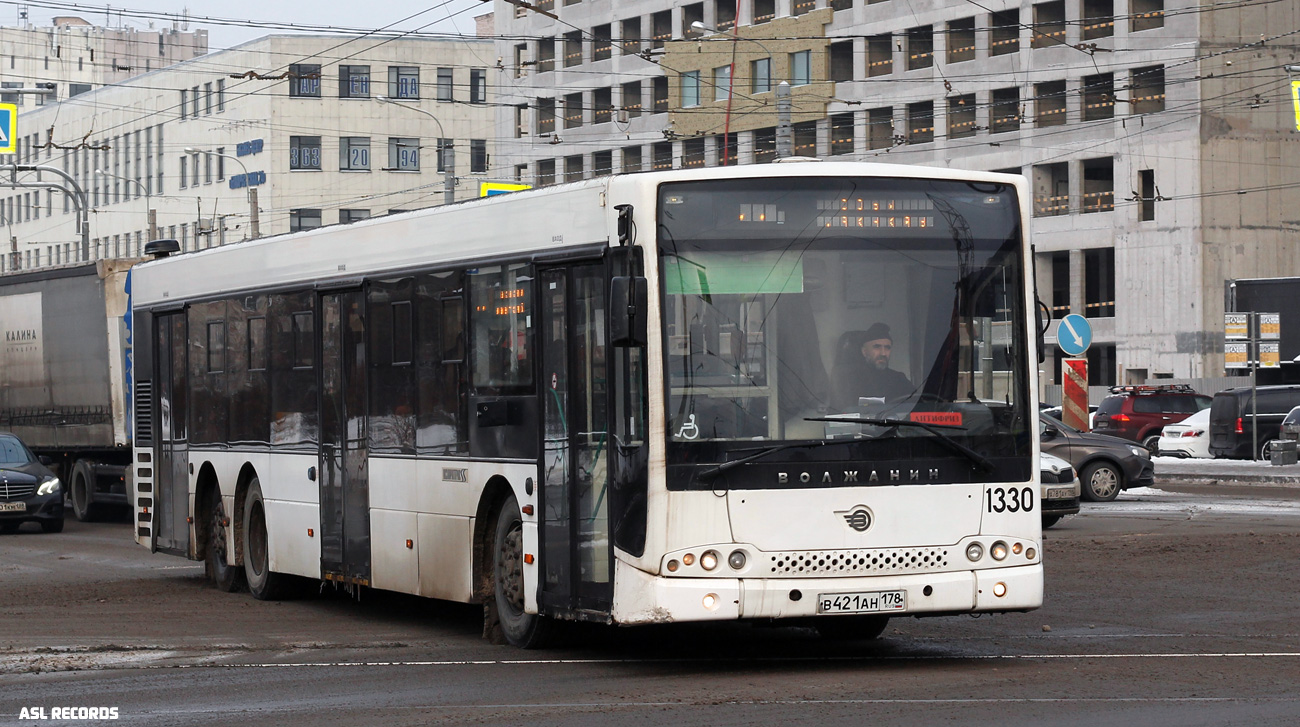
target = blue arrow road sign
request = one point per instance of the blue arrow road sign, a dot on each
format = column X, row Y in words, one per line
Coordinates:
column 1074, row 335
column 8, row 128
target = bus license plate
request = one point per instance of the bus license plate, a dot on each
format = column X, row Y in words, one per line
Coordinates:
column 870, row 602
column 13, row 507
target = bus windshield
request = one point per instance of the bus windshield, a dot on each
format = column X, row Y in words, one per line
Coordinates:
column 816, row 310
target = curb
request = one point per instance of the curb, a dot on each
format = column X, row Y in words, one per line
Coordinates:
column 1234, row 480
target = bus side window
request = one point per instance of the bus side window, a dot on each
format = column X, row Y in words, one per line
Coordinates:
column 443, row 402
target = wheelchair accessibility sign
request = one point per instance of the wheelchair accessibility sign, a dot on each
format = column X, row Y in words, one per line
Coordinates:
column 8, row 128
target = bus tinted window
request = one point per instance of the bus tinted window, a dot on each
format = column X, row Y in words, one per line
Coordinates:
column 207, row 379
column 440, row 361
column 392, row 378
column 501, row 322
column 294, row 422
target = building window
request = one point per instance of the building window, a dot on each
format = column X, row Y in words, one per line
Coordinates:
column 961, row 116
column 545, row 55
column 1147, row 90
column 521, row 120
column 1049, row 103
column 602, row 163
column 478, row 85
column 920, row 122
column 630, row 38
column 221, row 95
column 1102, row 365
column 5, row 98
column 207, row 170
column 631, row 100
column 304, row 80
column 662, row 158
column 1006, row 110
column 693, row 152
column 354, row 215
column 440, row 156
column 842, row 61
column 1098, row 185
column 221, row 163
column 1098, row 97
column 602, row 105
column 765, row 145
column 207, row 99
column 920, row 47
column 354, row 81
column 727, row 148
column 842, row 133
column 573, row 49
column 1098, row 19
column 764, row 10
column 961, row 40
column 880, row 128
column 403, row 154
column 690, row 89
column 573, row 168
column 631, row 159
column 545, row 116
column 545, row 172
column 602, row 47
column 801, row 68
column 184, row 176
column 404, row 81
column 661, row 28
column 760, row 73
column 880, row 55
column 1099, row 282
column 76, row 89
column 1147, row 183
column 303, row 219
column 521, row 51
column 659, row 94
column 1060, row 266
column 805, row 139
column 721, row 83
column 573, row 111
column 1049, row 24
column 1146, row 14
column 1051, row 189
column 444, row 84
column 354, row 153
column 304, row 152
column 692, row 14
column 1004, row 36
column 478, row 156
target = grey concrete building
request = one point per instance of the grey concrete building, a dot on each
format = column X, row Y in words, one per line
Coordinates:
column 294, row 118
column 1159, row 135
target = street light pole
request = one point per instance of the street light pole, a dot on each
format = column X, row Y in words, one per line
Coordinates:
column 448, row 153
column 253, row 230
column 148, row 202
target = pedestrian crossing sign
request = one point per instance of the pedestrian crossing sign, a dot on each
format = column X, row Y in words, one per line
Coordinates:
column 8, row 128
column 491, row 189
column 1295, row 99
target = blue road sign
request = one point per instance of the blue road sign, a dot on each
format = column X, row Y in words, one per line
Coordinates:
column 8, row 128
column 1074, row 335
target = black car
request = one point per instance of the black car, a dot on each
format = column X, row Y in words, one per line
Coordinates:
column 28, row 491
column 1232, row 424
column 1106, row 464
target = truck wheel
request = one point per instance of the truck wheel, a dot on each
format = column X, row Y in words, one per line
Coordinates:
column 524, row 630
column 216, row 566
column 262, row 583
column 83, row 492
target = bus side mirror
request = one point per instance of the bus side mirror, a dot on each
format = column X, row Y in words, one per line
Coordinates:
column 628, row 302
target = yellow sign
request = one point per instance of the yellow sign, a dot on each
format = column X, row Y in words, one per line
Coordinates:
column 8, row 128
column 1236, row 355
column 1269, row 357
column 491, row 189
column 1270, row 326
column 1295, row 99
column 1236, row 325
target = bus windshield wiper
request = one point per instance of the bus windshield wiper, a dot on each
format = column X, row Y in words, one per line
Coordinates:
column 984, row 463
column 713, row 472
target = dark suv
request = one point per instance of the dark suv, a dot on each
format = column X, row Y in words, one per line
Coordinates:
column 1138, row 413
column 1230, row 420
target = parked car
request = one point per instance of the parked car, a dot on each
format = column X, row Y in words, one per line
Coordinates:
column 1058, row 489
column 1231, row 422
column 1055, row 413
column 1106, row 465
column 1291, row 425
column 28, row 490
column 1188, row 438
column 1138, row 413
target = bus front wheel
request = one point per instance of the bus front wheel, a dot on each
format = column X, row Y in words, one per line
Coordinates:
column 524, row 630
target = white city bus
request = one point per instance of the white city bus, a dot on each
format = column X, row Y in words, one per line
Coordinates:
column 637, row 399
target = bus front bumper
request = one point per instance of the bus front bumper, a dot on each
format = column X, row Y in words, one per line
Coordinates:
column 641, row 598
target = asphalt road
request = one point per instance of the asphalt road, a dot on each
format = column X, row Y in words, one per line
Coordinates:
column 1163, row 608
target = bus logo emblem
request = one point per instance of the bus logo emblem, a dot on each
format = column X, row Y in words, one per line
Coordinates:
column 859, row 518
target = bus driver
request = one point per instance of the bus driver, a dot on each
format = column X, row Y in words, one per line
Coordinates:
column 864, row 371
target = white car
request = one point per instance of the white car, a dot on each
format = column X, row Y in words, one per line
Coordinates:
column 1188, row 438
column 1058, row 489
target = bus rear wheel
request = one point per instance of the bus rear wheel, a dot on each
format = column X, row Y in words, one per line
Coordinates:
column 524, row 630
column 262, row 583
column 225, row 577
column 851, row 628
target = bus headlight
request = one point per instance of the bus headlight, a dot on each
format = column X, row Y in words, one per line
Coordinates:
column 709, row 560
column 998, row 551
column 48, row 487
column 974, row 551
column 737, row 559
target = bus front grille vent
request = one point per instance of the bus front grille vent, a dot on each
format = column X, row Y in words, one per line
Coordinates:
column 821, row 563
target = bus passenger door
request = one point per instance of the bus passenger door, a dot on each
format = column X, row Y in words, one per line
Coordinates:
column 343, row 479
column 172, row 484
column 577, row 555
